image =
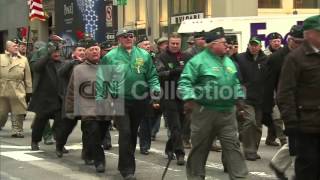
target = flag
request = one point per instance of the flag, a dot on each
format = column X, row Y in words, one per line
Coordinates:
column 36, row 10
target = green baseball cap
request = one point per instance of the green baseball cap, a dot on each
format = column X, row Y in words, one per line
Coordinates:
column 312, row 22
column 255, row 39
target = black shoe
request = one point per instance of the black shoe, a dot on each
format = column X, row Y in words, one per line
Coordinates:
column 180, row 160
column 129, row 177
column 88, row 162
column 144, row 152
column 59, row 153
column 48, row 141
column 17, row 135
column 279, row 174
column 272, row 143
column 34, row 146
column 252, row 156
column 153, row 138
column 100, row 168
column 64, row 150
column 107, row 146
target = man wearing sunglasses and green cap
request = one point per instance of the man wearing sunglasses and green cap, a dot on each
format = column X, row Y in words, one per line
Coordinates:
column 127, row 74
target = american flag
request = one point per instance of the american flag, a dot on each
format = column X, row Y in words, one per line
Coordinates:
column 36, row 10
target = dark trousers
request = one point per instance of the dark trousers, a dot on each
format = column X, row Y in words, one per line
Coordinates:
column 307, row 157
column 41, row 121
column 155, row 125
column 93, row 135
column 175, row 117
column 186, row 131
column 66, row 129
column 145, row 133
column 107, row 137
column 128, row 129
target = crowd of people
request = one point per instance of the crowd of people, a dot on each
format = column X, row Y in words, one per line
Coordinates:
column 207, row 93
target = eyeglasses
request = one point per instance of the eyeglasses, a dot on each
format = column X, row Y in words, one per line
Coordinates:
column 127, row 36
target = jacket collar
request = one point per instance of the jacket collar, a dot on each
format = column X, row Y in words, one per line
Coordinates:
column 10, row 55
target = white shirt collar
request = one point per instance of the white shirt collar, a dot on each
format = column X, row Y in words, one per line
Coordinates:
column 316, row 50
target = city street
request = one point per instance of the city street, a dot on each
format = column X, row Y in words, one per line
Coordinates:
column 18, row 162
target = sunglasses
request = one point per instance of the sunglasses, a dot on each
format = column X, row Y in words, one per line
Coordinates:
column 129, row 35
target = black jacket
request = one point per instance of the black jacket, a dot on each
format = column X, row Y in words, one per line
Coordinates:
column 169, row 66
column 46, row 98
column 273, row 70
column 253, row 74
column 298, row 94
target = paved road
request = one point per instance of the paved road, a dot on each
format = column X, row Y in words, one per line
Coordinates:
column 17, row 162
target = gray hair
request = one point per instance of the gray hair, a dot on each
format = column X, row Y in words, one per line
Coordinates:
column 9, row 43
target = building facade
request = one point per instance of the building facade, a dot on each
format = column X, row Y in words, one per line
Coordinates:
column 10, row 20
column 154, row 18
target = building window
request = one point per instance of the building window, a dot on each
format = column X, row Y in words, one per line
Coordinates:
column 269, row 4
column 189, row 6
column 312, row 4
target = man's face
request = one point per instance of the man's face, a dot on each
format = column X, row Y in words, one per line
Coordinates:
column 275, row 43
column 313, row 37
column 22, row 48
column 93, row 54
column 294, row 42
column 79, row 53
column 127, row 40
column 163, row 46
column 232, row 49
column 200, row 41
column 174, row 44
column 12, row 48
column 219, row 47
column 55, row 56
column 146, row 45
column 254, row 48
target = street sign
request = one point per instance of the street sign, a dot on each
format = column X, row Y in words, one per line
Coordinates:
column 108, row 16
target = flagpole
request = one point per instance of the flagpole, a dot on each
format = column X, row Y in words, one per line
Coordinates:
column 28, row 44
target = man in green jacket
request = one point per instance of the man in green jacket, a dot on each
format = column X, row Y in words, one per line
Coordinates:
column 127, row 73
column 210, row 88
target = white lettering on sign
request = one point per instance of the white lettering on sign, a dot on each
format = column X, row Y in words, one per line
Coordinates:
column 110, row 36
column 179, row 19
column 68, row 9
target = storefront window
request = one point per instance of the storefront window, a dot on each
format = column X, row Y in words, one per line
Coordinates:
column 269, row 4
column 312, row 4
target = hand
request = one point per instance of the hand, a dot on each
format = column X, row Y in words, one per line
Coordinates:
column 241, row 110
column 156, row 105
column 189, row 106
column 51, row 48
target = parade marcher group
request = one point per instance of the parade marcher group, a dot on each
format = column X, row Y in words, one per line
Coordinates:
column 207, row 93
